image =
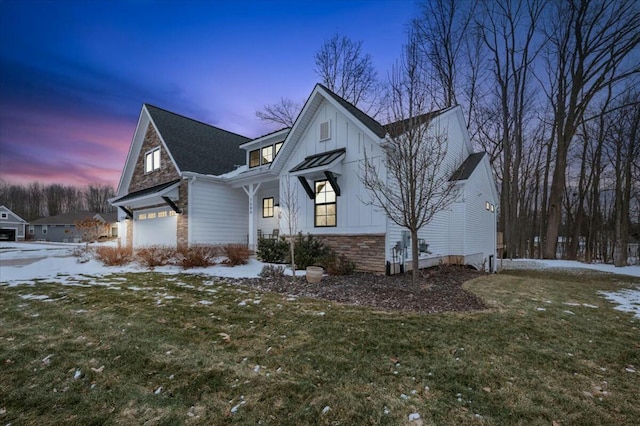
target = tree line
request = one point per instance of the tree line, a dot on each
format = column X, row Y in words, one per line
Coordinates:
column 549, row 90
column 35, row 200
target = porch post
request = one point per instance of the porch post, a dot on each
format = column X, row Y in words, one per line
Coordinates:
column 251, row 190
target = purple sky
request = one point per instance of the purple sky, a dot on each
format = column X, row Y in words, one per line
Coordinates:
column 74, row 74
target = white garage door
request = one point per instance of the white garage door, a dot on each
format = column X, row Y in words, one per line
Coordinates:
column 155, row 227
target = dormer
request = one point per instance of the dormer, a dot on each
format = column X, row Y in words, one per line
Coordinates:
column 263, row 150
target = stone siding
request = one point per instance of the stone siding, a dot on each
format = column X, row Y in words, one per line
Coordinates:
column 128, row 223
column 367, row 251
column 166, row 173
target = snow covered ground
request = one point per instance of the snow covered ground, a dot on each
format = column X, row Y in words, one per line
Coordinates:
column 24, row 262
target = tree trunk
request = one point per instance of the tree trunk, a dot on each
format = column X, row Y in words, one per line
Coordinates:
column 554, row 216
column 414, row 257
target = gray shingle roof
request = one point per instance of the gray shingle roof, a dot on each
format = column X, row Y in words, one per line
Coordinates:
column 317, row 160
column 467, row 167
column 401, row 126
column 364, row 118
column 64, row 218
column 196, row 146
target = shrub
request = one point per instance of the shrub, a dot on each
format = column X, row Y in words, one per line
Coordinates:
column 272, row 271
column 237, row 254
column 82, row 254
column 337, row 264
column 153, row 256
column 197, row 256
column 114, row 256
column 309, row 251
column 273, row 251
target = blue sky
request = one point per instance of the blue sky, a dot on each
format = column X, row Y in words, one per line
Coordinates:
column 74, row 74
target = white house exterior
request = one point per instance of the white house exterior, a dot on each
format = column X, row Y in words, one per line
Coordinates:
column 322, row 156
column 11, row 225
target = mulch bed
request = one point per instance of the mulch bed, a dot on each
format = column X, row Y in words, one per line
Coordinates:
column 439, row 290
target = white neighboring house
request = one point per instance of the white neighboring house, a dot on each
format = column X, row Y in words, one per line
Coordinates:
column 232, row 193
column 11, row 225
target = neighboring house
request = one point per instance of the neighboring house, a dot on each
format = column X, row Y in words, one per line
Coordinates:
column 62, row 228
column 185, row 182
column 11, row 225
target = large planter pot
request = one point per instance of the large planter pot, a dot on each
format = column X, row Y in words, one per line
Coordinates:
column 314, row 274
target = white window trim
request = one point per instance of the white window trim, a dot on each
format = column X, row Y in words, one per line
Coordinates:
column 4, row 215
column 151, row 154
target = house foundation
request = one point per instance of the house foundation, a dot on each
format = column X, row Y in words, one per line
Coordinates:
column 366, row 251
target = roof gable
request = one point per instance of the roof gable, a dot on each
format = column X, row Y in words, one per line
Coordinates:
column 9, row 212
column 196, row 146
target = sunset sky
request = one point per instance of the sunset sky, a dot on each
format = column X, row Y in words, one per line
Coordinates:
column 74, row 74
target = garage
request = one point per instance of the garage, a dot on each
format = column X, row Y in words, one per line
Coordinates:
column 7, row 234
column 155, row 227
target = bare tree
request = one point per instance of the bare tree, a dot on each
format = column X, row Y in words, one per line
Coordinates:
column 414, row 184
column 283, row 113
column 290, row 210
column 591, row 43
column 97, row 197
column 347, row 71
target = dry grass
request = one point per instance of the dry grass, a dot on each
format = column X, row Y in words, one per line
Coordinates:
column 223, row 354
column 114, row 256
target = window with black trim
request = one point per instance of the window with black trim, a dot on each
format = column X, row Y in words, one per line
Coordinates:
column 325, row 204
column 152, row 160
column 267, row 154
column 267, row 207
column 254, row 158
column 278, row 146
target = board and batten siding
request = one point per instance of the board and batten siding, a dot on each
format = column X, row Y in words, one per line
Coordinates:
column 445, row 234
column 354, row 216
column 218, row 214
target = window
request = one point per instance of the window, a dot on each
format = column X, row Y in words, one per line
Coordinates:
column 267, row 207
column 151, row 216
column 31, row 230
column 325, row 130
column 142, row 216
column 487, row 205
column 172, row 213
column 3, row 215
column 44, row 229
column 278, row 146
column 267, row 154
column 254, row 158
column 162, row 214
column 152, row 160
column 325, row 201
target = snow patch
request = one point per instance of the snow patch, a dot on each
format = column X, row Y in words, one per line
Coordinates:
column 628, row 300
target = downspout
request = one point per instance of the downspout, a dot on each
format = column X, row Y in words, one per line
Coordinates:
column 189, row 209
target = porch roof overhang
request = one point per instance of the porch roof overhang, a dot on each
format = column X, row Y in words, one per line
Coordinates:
column 318, row 164
column 326, row 165
column 164, row 193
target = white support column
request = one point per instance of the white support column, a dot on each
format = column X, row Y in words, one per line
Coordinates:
column 251, row 190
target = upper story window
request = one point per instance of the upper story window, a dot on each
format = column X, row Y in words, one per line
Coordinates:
column 152, row 160
column 264, row 155
column 325, row 204
column 325, row 130
column 3, row 215
column 254, row 158
column 267, row 154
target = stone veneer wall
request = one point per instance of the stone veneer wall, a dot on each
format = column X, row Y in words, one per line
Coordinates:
column 128, row 223
column 367, row 251
column 166, row 173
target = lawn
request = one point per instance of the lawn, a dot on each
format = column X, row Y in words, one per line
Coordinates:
column 147, row 348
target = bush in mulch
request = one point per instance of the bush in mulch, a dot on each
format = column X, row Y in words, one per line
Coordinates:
column 153, row 256
column 237, row 254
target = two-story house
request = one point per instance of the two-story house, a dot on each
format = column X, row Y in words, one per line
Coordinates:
column 185, row 182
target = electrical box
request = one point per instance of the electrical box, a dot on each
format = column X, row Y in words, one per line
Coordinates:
column 406, row 242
